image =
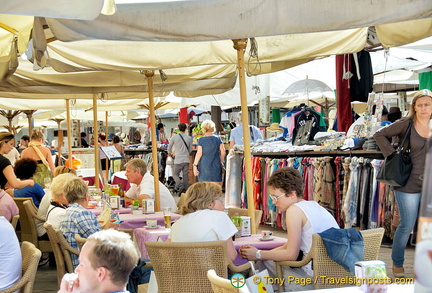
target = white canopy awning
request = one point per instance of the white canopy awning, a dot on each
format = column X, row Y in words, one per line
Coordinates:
column 207, row 20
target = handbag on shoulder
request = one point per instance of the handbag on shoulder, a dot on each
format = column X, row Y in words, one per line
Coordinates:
column 396, row 168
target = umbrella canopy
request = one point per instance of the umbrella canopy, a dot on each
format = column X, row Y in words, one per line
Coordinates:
column 309, row 89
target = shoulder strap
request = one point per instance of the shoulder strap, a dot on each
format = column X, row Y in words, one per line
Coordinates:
column 407, row 134
column 184, row 141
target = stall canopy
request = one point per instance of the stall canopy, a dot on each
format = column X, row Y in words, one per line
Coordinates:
column 190, row 20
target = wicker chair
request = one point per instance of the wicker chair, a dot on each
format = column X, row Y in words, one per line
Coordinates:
column 58, row 254
column 324, row 266
column 221, row 285
column 244, row 212
column 183, row 266
column 80, row 240
column 14, row 221
column 28, row 215
column 30, row 260
column 67, row 249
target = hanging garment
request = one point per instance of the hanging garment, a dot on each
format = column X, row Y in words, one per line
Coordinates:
column 350, row 202
column 233, row 183
column 328, row 186
column 361, row 84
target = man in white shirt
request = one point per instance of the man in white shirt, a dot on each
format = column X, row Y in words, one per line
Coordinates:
column 10, row 255
column 142, row 185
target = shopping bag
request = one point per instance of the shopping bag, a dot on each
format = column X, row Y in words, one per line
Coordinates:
column 257, row 283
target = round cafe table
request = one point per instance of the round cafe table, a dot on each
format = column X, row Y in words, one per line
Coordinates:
column 138, row 221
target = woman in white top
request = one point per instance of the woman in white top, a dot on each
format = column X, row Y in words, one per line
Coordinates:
column 59, row 203
column 203, row 217
column 303, row 218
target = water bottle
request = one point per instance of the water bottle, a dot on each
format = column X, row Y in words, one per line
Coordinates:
column 423, row 251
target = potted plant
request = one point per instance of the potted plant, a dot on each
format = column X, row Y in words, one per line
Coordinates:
column 135, row 207
column 237, row 220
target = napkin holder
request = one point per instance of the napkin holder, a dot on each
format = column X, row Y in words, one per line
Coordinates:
column 245, row 227
column 148, row 206
column 114, row 202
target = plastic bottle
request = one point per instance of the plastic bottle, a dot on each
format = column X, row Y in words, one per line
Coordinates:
column 423, row 252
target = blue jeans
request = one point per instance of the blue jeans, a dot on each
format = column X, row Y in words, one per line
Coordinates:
column 408, row 204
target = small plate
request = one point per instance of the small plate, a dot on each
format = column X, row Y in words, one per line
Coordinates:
column 266, row 239
column 150, row 227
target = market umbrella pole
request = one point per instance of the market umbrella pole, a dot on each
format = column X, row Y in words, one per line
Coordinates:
column 59, row 140
column 149, row 74
column 107, row 135
column 69, row 132
column 95, row 139
column 240, row 46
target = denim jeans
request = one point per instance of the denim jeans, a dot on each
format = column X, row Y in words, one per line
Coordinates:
column 408, row 204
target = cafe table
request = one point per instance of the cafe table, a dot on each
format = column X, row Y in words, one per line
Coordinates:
column 142, row 235
column 131, row 221
column 257, row 241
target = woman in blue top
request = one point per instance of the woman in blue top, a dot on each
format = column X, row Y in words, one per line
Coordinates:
column 24, row 170
column 210, row 155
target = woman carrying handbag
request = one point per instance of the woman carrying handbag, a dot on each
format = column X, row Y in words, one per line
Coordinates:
column 408, row 196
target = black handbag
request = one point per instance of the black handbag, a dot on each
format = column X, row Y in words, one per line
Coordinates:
column 396, row 168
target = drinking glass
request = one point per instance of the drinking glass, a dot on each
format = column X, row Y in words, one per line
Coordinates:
column 167, row 217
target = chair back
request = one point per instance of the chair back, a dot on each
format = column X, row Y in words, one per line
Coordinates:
column 186, row 264
column 30, row 260
column 66, row 249
column 58, row 254
column 221, row 285
column 245, row 212
column 28, row 230
column 31, row 212
column 323, row 265
column 14, row 221
column 80, row 240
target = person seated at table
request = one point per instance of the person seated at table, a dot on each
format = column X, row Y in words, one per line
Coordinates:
column 24, row 169
column 204, row 218
column 58, row 204
column 105, row 263
column 46, row 200
column 10, row 255
column 77, row 219
column 303, row 218
column 8, row 207
column 142, row 185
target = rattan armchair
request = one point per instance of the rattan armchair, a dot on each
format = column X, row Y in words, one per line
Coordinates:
column 245, row 212
column 80, row 240
column 58, row 254
column 323, row 266
column 14, row 221
column 67, row 249
column 27, row 216
column 30, row 260
column 183, row 266
column 221, row 285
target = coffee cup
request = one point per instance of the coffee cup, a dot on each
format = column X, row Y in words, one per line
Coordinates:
column 151, row 223
column 266, row 234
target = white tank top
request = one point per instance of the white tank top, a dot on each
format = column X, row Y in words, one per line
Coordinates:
column 318, row 220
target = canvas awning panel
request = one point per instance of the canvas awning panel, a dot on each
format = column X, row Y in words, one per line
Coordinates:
column 206, row 20
column 76, row 9
column 397, row 34
column 274, row 53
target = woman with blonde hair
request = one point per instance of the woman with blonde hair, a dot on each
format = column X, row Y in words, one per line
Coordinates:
column 408, row 197
column 35, row 151
column 204, row 218
column 210, row 155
